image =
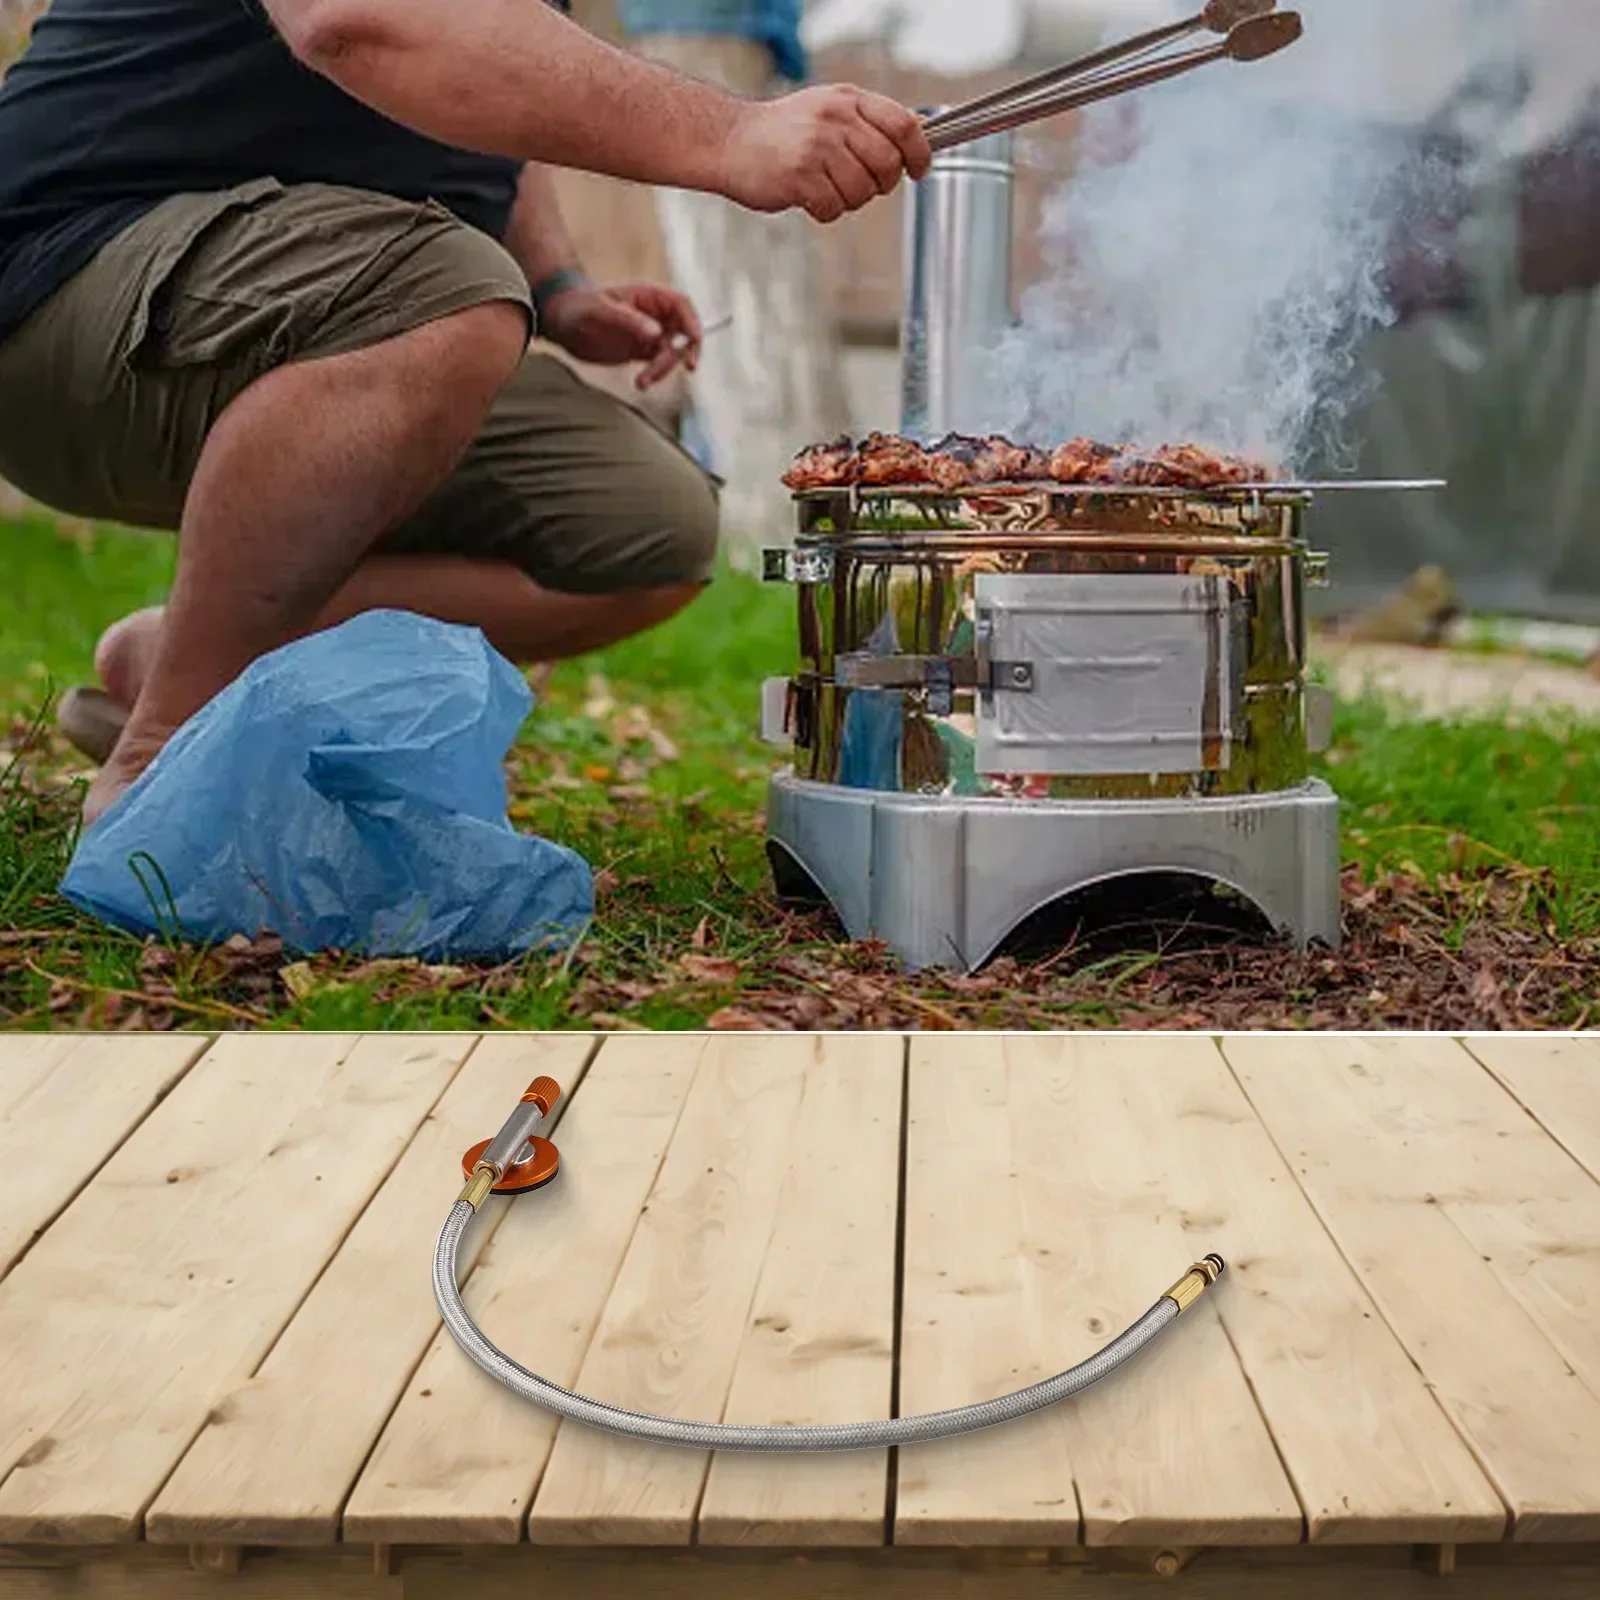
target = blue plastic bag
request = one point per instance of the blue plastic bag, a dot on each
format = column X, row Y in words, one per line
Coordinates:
column 347, row 792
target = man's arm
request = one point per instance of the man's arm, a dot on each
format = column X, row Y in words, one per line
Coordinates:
column 646, row 323
column 516, row 78
column 537, row 236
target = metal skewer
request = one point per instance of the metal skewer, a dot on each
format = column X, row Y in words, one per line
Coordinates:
column 1251, row 40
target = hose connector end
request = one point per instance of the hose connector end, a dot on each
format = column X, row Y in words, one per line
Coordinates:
column 1195, row 1282
column 543, row 1092
column 478, row 1185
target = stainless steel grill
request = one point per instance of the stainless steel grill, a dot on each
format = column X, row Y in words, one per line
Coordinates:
column 1006, row 695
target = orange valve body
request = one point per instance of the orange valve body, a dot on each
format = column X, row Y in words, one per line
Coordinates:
column 541, row 1167
column 524, row 1176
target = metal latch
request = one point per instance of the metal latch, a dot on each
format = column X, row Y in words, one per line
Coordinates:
column 940, row 676
column 1319, row 570
column 1016, row 677
column 994, row 677
column 797, row 566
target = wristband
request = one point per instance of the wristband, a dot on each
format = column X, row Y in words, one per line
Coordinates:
column 558, row 283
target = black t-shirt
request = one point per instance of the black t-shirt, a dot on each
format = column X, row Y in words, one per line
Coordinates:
column 118, row 104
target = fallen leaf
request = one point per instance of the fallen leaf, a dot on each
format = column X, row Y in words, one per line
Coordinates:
column 637, row 726
column 711, row 969
column 299, row 979
column 700, row 939
column 735, row 1019
column 599, row 702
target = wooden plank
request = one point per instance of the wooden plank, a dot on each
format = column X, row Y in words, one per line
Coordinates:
column 1373, row 1459
column 1173, row 1451
column 969, row 1323
column 819, row 1338
column 153, row 1573
column 1557, row 1080
column 279, row 1454
column 165, row 1284
column 137, row 1572
column 1477, row 1236
column 460, row 1458
column 673, row 1326
column 66, row 1103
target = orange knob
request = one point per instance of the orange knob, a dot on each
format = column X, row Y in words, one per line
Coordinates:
column 543, row 1092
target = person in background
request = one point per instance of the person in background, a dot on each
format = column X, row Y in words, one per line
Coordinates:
column 268, row 275
column 774, row 24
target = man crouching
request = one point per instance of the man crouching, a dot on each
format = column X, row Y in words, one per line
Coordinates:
column 268, row 275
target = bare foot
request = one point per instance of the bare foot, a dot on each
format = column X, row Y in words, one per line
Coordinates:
column 123, row 656
column 134, row 752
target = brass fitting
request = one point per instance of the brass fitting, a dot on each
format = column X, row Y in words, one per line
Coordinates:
column 483, row 1179
column 1195, row 1282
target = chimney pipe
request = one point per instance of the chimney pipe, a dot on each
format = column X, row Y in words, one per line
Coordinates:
column 957, row 295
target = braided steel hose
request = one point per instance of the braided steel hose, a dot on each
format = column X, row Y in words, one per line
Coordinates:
column 758, row 1438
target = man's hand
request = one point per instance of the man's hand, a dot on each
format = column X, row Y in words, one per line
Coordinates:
column 631, row 322
column 828, row 151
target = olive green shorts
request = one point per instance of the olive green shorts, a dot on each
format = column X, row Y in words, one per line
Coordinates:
column 108, row 391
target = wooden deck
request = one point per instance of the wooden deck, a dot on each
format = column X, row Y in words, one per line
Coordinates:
column 222, row 1372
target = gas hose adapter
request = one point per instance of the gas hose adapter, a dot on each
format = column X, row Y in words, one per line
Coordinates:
column 517, row 1161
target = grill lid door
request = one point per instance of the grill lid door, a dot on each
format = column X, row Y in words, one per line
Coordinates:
column 1116, row 674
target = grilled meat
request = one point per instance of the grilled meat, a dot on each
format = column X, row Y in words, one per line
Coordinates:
column 886, row 459
column 958, row 463
column 1083, row 461
column 824, row 466
column 1187, row 466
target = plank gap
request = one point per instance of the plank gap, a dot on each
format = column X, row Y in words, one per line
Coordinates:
column 333, row 1255
column 774, row 1225
column 1272, row 1437
column 1249, row 1383
column 1544, row 1124
column 632, row 1232
column 1457, row 1427
column 383, row 1557
column 382, row 1178
column 892, row 1486
column 203, row 1046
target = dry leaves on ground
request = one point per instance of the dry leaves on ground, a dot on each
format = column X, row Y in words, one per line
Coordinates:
column 1470, row 952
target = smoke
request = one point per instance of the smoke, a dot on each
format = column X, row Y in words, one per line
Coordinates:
column 1226, row 245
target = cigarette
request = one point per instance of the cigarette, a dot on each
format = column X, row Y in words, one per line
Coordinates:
column 680, row 341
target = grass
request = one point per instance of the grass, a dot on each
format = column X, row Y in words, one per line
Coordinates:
column 646, row 760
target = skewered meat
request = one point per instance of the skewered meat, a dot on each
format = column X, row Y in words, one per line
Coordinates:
column 1083, row 461
column 959, row 462
column 1187, row 466
column 885, row 459
column 824, row 466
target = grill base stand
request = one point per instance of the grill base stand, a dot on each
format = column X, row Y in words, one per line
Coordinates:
column 945, row 882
